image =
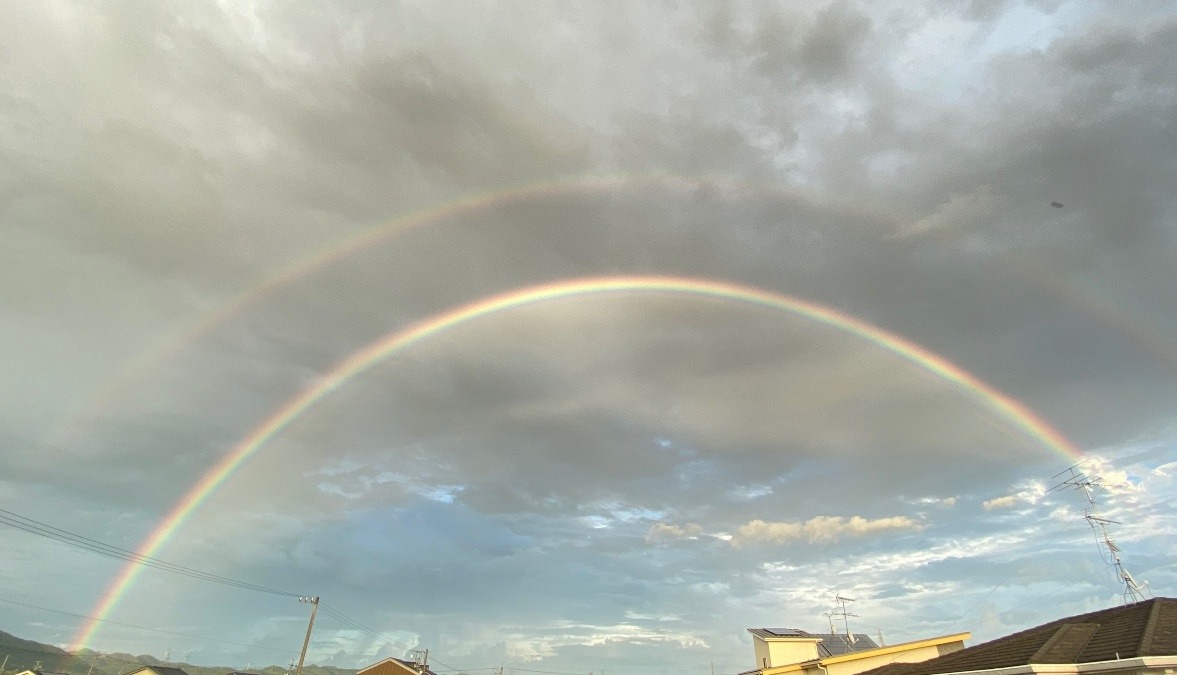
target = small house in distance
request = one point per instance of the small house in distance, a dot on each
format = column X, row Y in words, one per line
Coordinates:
column 157, row 670
column 395, row 666
column 39, row 672
column 797, row 652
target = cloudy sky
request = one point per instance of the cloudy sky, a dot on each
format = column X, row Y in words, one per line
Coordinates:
column 205, row 207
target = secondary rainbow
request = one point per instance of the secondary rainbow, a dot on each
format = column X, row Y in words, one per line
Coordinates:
column 1007, row 407
column 304, row 267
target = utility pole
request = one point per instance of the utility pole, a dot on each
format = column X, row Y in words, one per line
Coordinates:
column 2, row 665
column 420, row 659
column 314, row 602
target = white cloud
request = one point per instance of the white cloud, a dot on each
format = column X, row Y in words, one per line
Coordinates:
column 944, row 502
column 669, row 532
column 537, row 642
column 1031, row 492
column 820, row 528
column 1000, row 502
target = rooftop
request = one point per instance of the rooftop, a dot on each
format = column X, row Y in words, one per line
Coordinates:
column 832, row 644
column 1147, row 628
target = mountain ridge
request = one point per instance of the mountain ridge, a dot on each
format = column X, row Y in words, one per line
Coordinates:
column 25, row 654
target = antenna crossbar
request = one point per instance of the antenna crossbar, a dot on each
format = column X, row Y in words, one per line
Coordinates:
column 1087, row 484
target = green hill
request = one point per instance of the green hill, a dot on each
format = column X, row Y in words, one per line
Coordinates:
column 26, row 654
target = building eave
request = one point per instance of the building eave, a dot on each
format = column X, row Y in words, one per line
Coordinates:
column 901, row 647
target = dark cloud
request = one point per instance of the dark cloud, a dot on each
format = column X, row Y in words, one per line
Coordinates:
column 561, row 485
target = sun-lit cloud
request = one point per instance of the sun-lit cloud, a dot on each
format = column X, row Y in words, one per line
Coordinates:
column 1003, row 502
column 670, row 532
column 820, row 529
column 206, row 207
column 1029, row 493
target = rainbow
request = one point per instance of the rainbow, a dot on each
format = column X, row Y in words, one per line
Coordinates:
column 1010, row 409
column 136, row 369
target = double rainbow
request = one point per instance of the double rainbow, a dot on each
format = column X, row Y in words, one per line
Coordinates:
column 354, row 365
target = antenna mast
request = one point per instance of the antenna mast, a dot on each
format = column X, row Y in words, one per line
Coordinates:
column 845, row 616
column 1086, row 485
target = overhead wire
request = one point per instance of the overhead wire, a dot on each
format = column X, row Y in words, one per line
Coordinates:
column 41, row 529
column 155, row 630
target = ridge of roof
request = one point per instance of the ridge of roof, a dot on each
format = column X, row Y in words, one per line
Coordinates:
column 411, row 665
column 1146, row 628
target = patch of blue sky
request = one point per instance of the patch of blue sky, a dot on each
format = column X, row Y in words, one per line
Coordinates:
column 921, row 65
column 747, row 493
column 444, row 494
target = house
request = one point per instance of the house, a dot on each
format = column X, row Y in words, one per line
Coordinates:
column 1136, row 639
column 157, row 670
column 797, row 652
column 39, row 672
column 395, row 666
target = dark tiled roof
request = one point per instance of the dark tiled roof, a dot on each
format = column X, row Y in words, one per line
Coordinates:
column 835, row 644
column 832, row 644
column 1147, row 628
column 779, row 633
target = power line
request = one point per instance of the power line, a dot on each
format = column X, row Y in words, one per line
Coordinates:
column 94, row 546
column 33, row 526
column 156, row 630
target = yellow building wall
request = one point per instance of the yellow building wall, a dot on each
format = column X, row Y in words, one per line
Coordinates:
column 761, row 649
column 785, row 652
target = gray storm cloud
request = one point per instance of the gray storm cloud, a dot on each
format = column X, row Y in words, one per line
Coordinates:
column 544, row 485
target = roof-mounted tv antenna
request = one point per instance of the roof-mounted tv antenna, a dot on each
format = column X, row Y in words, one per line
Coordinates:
column 845, row 616
column 1086, row 485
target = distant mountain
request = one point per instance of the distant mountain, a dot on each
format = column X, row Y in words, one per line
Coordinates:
column 25, row 654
